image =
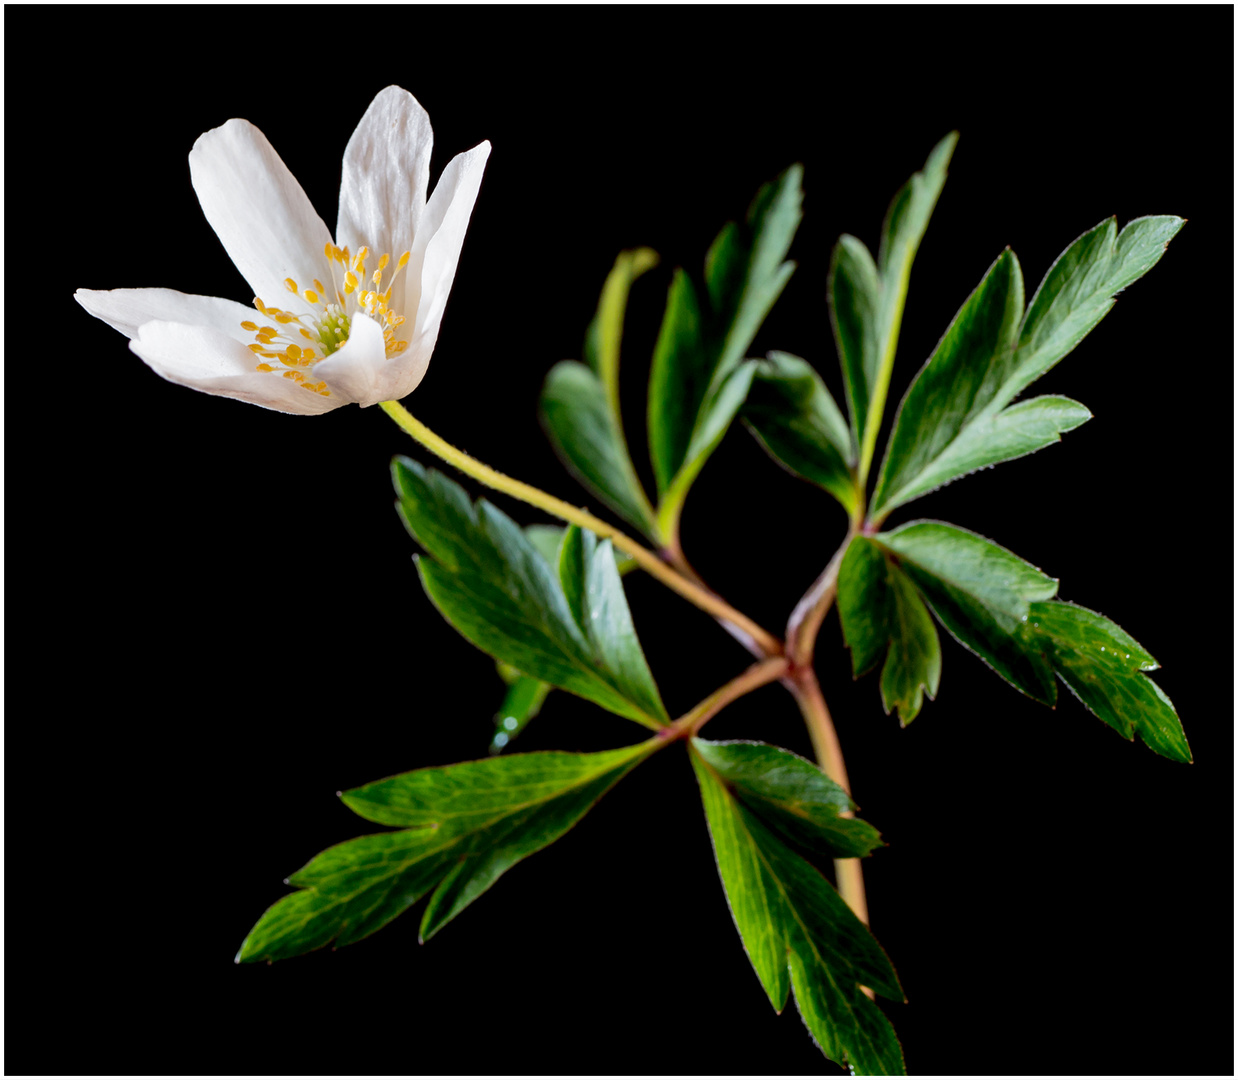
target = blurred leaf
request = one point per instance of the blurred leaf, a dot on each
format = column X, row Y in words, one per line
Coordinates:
column 694, row 391
column 954, row 419
column 792, row 796
column 881, row 612
column 605, row 333
column 799, row 934
column 1104, row 668
column 795, row 418
column 981, row 593
column 589, row 442
column 521, row 704
column 470, row 824
column 492, row 585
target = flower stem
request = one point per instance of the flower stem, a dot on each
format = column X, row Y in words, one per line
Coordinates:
column 758, row 675
column 647, row 560
column 805, row 621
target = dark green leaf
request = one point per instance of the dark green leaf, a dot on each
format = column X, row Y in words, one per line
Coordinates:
column 586, row 435
column 981, row 593
column 799, row 934
column 959, row 379
column 493, row 586
column 794, row 417
column 957, row 417
column 881, row 611
column 867, row 299
column 792, row 796
column 1104, row 667
column 693, row 389
column 470, row 823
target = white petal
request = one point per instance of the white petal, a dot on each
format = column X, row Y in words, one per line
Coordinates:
column 355, row 370
column 127, row 309
column 440, row 238
column 208, row 360
column 385, row 177
column 258, row 210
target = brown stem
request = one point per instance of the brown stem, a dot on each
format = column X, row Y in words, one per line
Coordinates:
column 805, row 621
column 758, row 675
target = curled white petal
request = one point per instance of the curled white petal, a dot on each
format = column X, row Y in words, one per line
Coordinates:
column 260, row 213
column 357, row 371
column 441, row 236
column 385, row 177
column 209, row 360
column 128, row 309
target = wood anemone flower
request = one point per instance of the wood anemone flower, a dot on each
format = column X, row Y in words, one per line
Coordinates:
column 352, row 319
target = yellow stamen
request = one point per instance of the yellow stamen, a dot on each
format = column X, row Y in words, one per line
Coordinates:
column 290, row 285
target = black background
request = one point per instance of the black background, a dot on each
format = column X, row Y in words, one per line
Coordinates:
column 214, row 620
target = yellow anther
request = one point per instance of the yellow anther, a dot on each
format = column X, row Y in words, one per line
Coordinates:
column 267, row 330
column 284, row 317
column 311, row 296
column 378, row 277
column 257, row 348
column 328, row 249
column 250, row 326
column 290, row 285
column 260, row 305
column 404, row 258
column 293, row 352
column 350, row 282
column 383, row 260
column 319, row 286
column 265, row 367
column 399, row 346
column 307, row 356
column 296, row 376
column 265, row 339
column 361, row 256
column 307, row 334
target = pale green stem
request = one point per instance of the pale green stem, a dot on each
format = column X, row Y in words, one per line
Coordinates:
column 646, row 559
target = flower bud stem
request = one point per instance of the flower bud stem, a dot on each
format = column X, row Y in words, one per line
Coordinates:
column 646, row 559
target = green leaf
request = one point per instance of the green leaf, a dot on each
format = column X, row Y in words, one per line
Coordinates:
column 799, row 934
column 881, row 611
column 586, row 435
column 492, row 585
column 959, row 379
column 867, row 299
column 1104, row 668
column 522, row 702
column 470, row 823
column 694, row 391
column 981, row 593
column 792, row 796
column 957, row 417
column 795, row 419
column 605, row 333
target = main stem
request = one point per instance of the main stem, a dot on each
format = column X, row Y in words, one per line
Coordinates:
column 647, row 560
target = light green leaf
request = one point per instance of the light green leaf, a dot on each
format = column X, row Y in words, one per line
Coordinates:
column 605, row 333
column 492, row 585
column 881, row 611
column 470, row 823
column 586, row 435
column 792, row 796
column 799, row 934
column 1104, row 668
column 795, row 419
column 522, row 702
column 693, row 390
column 981, row 593
column 854, row 294
column 957, row 417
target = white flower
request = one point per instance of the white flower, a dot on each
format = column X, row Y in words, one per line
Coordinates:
column 354, row 319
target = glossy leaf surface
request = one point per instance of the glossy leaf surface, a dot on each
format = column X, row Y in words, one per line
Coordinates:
column 795, row 418
column 522, row 702
column 491, row 584
column 1105, row 669
column 957, row 417
column 694, row 391
column 981, row 593
column 881, row 613
column 792, row 796
column 460, row 828
column 800, row 935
